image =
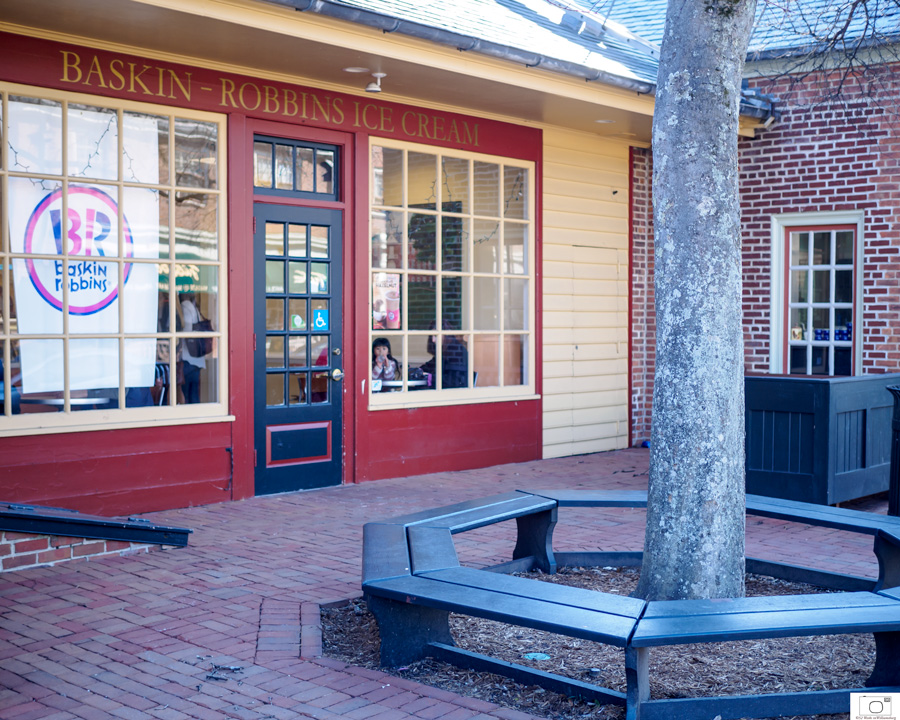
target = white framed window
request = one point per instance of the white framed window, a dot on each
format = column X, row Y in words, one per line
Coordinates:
column 816, row 293
column 451, row 276
column 112, row 244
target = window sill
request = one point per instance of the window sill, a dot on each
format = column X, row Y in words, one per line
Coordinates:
column 105, row 423
column 408, row 401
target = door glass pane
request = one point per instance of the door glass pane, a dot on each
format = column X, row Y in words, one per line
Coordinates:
column 455, row 189
column 387, row 239
column 297, row 388
column 487, row 189
column 454, row 291
column 487, row 303
column 325, row 170
column 274, row 276
column 487, row 361
column 515, row 352
column 297, row 240
column 297, row 345
column 821, row 286
column 319, row 388
column 275, row 314
column 821, row 248
column 515, row 301
column 422, row 241
column 422, row 307
column 284, row 167
column 306, row 172
column 843, row 286
column 319, row 278
column 298, row 278
column 262, row 164
column 422, row 181
column 297, row 314
column 799, row 290
column 844, row 248
column 274, row 238
column 515, row 193
column 274, row 351
column 274, row 389
column 318, row 241
column 486, row 246
column 799, row 248
column 92, row 139
column 318, row 350
column 798, row 360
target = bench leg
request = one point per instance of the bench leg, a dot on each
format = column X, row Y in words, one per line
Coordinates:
column 886, row 672
column 407, row 629
column 535, row 539
column 887, row 550
column 637, row 677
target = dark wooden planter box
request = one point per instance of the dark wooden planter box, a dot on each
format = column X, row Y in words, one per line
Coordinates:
column 819, row 440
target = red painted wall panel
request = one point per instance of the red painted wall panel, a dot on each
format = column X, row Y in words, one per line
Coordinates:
column 118, row 472
column 458, row 437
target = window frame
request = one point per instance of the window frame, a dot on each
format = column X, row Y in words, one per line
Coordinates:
column 781, row 228
column 472, row 393
column 69, row 420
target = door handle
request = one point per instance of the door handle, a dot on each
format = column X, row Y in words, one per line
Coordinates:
column 337, row 374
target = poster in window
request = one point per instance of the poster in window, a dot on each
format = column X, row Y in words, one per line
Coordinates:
column 386, row 301
column 83, row 219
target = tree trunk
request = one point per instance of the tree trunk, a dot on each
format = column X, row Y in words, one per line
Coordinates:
column 694, row 544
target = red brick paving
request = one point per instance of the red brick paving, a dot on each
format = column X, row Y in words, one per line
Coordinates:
column 146, row 636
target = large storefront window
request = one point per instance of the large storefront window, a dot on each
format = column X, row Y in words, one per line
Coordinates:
column 452, row 276
column 112, row 262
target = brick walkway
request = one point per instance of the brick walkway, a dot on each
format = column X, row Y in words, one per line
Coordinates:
column 228, row 627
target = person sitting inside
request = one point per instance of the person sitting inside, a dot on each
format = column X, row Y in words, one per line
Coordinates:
column 384, row 365
column 454, row 360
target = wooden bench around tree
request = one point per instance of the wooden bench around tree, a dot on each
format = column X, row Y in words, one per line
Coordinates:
column 412, row 580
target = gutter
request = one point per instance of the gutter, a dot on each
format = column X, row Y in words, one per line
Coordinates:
column 750, row 106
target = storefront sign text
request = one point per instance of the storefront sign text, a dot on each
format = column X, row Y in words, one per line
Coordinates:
column 147, row 80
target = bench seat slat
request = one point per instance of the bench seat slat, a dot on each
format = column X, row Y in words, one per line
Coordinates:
column 525, row 612
column 768, row 603
column 456, row 508
column 479, row 517
column 549, row 592
column 823, row 516
column 653, row 632
column 595, row 498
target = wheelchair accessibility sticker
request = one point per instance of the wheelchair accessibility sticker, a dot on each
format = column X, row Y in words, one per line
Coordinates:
column 320, row 319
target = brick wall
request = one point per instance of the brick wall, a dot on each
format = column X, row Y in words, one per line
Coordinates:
column 842, row 158
column 643, row 318
column 19, row 550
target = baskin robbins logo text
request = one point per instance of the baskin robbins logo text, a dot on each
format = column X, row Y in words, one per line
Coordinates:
column 91, row 234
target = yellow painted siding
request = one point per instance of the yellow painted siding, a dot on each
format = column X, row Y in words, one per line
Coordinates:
column 585, row 294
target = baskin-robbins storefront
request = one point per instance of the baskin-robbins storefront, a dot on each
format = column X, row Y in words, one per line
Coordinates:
column 217, row 284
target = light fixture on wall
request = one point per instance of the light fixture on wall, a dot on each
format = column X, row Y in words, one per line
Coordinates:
column 375, row 85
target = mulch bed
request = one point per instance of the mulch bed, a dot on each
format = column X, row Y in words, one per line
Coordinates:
column 744, row 667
